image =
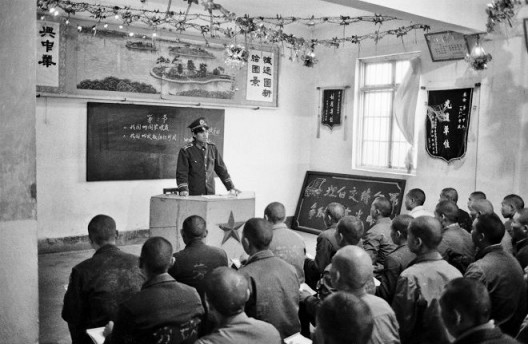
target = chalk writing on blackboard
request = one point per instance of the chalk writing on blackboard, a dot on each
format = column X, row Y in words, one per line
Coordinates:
column 131, row 142
column 355, row 193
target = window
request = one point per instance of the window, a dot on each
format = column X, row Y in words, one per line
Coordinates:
column 381, row 144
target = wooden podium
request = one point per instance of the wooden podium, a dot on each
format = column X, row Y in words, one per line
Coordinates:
column 225, row 217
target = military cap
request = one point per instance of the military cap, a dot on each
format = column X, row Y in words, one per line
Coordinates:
column 200, row 123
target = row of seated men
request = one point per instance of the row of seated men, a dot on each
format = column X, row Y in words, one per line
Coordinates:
column 193, row 296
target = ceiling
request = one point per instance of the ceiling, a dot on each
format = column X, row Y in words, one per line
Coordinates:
column 439, row 14
column 265, row 8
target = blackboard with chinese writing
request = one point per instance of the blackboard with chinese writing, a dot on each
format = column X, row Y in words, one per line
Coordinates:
column 355, row 193
column 447, row 123
column 331, row 114
column 133, row 142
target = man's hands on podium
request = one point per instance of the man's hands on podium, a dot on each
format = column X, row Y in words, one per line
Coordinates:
column 234, row 192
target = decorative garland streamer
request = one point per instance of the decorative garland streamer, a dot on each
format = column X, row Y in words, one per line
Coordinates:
column 267, row 29
column 500, row 11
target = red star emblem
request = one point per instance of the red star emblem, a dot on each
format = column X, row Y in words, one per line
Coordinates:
column 231, row 229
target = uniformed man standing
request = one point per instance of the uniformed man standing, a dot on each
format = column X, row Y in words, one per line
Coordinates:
column 197, row 163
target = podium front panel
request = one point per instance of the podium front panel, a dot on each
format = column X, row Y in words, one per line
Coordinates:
column 225, row 217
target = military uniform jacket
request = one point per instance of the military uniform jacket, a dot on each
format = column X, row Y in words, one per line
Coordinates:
column 196, row 167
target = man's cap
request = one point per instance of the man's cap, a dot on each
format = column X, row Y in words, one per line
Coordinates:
column 200, row 123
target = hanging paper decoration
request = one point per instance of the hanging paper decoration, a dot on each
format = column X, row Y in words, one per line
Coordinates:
column 447, row 123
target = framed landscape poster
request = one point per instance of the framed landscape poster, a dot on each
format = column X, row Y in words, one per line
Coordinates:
column 168, row 65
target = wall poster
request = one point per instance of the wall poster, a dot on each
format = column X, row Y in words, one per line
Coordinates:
column 332, row 106
column 260, row 76
column 447, row 123
column 48, row 57
column 446, row 45
column 129, row 63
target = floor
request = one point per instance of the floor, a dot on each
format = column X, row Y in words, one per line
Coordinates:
column 54, row 271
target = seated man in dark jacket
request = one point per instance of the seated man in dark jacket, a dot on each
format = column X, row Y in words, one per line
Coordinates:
column 273, row 283
column 164, row 311
column 463, row 217
column 398, row 260
column 519, row 227
column 99, row 284
column 226, row 293
column 326, row 245
column 344, row 319
column 456, row 246
column 196, row 259
column 466, row 310
column 500, row 272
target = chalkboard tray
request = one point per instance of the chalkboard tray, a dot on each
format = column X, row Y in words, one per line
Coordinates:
column 355, row 193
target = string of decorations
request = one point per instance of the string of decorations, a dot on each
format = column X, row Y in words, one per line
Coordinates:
column 267, row 30
column 501, row 11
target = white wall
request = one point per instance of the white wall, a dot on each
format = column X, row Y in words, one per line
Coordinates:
column 266, row 151
column 496, row 156
column 18, row 223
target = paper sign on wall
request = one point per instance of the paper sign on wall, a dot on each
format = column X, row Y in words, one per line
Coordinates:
column 260, row 76
column 48, row 37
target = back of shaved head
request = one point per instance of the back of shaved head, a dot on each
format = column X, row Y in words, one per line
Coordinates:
column 383, row 205
column 417, row 195
column 156, row 255
column 354, row 266
column 428, row 229
column 523, row 216
column 482, row 206
column 227, row 290
column 449, row 209
column 344, row 318
column 102, row 229
column 275, row 212
column 258, row 232
column 477, row 195
column 491, row 226
column 351, row 228
column 335, row 210
column 450, row 194
column 194, row 227
column 516, row 201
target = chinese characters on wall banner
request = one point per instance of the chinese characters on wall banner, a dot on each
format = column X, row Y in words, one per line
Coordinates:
column 48, row 37
column 260, row 76
column 331, row 114
column 447, row 123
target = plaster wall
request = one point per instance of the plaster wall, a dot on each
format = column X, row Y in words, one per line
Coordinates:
column 266, row 151
column 18, row 225
column 495, row 158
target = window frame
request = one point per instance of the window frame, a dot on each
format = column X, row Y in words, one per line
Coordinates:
column 357, row 152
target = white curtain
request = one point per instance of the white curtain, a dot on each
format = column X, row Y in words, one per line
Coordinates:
column 405, row 101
